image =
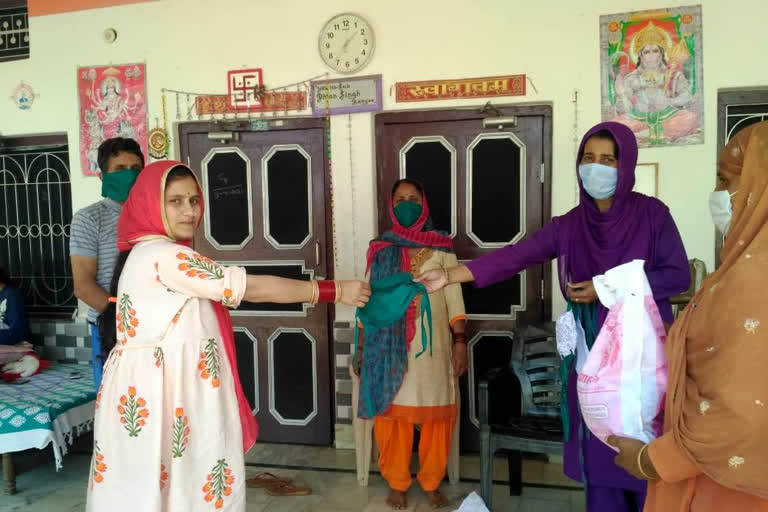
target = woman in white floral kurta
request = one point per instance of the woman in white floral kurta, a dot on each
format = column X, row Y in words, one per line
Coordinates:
column 168, row 434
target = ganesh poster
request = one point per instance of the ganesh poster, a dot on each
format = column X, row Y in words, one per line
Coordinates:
column 652, row 76
column 113, row 103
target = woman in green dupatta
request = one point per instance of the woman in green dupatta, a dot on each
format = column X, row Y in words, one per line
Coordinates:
column 405, row 381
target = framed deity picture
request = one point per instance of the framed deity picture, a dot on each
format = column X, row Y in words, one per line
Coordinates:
column 113, row 103
column 647, row 179
column 652, row 74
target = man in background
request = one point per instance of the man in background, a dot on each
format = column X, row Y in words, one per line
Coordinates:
column 93, row 240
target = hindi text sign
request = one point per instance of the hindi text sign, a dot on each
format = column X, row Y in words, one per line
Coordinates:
column 512, row 85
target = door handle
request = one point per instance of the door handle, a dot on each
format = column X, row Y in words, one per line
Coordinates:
column 317, row 253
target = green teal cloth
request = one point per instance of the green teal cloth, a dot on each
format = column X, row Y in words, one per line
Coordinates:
column 36, row 404
column 586, row 316
column 407, row 213
column 117, row 184
column 385, row 357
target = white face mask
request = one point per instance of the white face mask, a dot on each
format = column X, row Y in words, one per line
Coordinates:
column 598, row 180
column 721, row 209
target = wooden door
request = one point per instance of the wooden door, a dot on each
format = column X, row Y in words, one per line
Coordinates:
column 266, row 211
column 487, row 188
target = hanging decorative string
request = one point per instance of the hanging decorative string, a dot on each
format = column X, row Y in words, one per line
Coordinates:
column 192, row 96
column 533, row 86
column 274, row 112
column 330, row 173
column 165, row 119
column 355, row 255
column 575, row 102
column 157, row 138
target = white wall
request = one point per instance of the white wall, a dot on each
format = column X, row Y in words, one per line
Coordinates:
column 190, row 44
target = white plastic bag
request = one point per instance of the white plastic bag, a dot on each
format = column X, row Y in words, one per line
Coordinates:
column 473, row 503
column 623, row 383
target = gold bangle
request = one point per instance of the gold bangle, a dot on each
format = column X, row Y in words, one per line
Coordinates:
column 640, row 462
column 338, row 292
column 447, row 276
column 315, row 292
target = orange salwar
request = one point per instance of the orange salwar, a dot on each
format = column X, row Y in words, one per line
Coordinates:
column 394, row 439
column 428, row 393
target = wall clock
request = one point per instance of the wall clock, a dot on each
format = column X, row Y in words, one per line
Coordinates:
column 346, row 43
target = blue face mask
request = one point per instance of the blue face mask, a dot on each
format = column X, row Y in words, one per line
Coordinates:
column 598, row 180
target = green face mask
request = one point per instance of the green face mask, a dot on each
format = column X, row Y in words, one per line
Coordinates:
column 407, row 213
column 116, row 185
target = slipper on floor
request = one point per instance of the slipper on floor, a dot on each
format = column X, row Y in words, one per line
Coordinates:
column 266, row 479
column 287, row 489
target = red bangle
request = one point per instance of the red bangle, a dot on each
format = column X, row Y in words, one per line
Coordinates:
column 327, row 291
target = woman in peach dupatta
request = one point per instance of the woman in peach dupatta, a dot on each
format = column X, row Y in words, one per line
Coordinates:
column 713, row 455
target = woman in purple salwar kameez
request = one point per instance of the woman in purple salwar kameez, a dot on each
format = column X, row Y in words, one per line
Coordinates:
column 611, row 225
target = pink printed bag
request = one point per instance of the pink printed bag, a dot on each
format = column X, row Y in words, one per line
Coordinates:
column 623, row 382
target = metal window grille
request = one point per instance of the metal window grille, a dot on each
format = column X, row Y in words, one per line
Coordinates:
column 35, row 221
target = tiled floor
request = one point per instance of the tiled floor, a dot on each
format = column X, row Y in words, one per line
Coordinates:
column 331, row 475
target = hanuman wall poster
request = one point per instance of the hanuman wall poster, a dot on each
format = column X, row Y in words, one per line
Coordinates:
column 652, row 76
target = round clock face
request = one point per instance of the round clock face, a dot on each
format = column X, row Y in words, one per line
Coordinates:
column 346, row 43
